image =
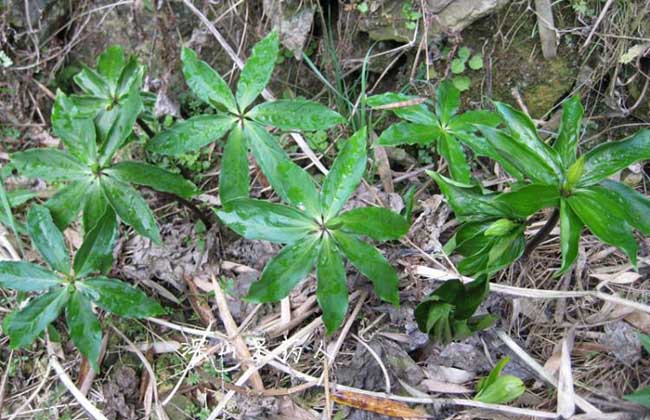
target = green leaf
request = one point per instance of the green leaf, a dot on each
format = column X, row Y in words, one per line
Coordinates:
column 205, row 82
column 505, row 250
column 110, row 64
column 131, row 207
column 457, row 66
column 95, row 205
column 141, row 173
column 285, row 271
column 332, row 290
column 574, row 173
column 530, row 198
column 66, row 204
column 467, row 203
column 522, row 129
column 447, row 100
column 92, row 83
column 372, row 264
column 464, row 53
column 26, row 277
column 131, row 78
column 462, row 83
column 476, row 62
column 604, row 217
column 609, row 158
column 641, row 397
column 77, row 134
column 7, row 216
column 566, row 143
column 49, row 164
column 454, row 154
column 399, row 104
column 48, row 239
column 635, row 204
column 377, row 223
column 527, row 160
column 24, row 326
column 259, row 219
column 84, row 328
column 120, row 298
column 499, row 389
column 257, row 71
column 296, row 114
column 570, row 230
column 292, row 183
column 85, row 107
column 122, row 127
column 345, row 174
column 409, row 133
column 474, row 293
column 96, row 251
column 191, row 134
column 466, row 121
column 481, row 147
column 645, row 341
column 500, row 227
column 234, row 179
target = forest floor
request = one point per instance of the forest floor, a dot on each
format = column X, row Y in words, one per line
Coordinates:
column 185, row 365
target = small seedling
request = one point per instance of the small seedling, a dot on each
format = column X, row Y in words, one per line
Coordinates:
column 243, row 122
column 317, row 232
column 70, row 287
column 499, row 389
column 458, row 66
column 445, row 129
column 447, row 314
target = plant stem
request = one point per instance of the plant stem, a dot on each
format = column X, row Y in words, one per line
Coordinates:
column 143, row 125
column 542, row 233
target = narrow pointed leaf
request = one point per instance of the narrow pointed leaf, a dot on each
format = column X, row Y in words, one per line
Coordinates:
column 635, row 204
column 96, row 251
column 292, row 183
column 110, row 64
column 120, row 298
column 234, row 179
column 48, row 239
column 262, row 220
column 454, row 154
column 205, row 82
column 481, row 147
column 66, row 204
column 332, row 290
column 399, row 104
column 467, row 121
column 605, row 219
column 372, row 264
column 131, row 207
column 191, row 134
column 141, row 173
column 84, row 328
column 528, row 161
column 296, row 114
column 285, row 271
column 566, row 143
column 7, row 216
column 77, row 134
column 640, row 396
column 131, row 78
column 570, row 230
column 345, row 175
column 49, row 164
column 447, row 101
column 26, row 277
column 122, row 127
column 530, row 198
column 522, row 130
column 257, row 71
column 377, row 223
column 95, row 205
column 409, row 133
column 609, row 158
column 92, row 83
column 24, row 326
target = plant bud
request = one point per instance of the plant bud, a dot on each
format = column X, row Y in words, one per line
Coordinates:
column 500, row 227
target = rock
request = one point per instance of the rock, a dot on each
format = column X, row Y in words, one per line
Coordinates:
column 293, row 20
column 396, row 19
column 623, row 340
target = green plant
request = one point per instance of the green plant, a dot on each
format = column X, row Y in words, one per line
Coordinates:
column 492, row 233
column 641, row 396
column 94, row 182
column 317, row 233
column 458, row 66
column 243, row 122
column 445, row 129
column 71, row 286
column 410, row 16
column 447, row 314
column 499, row 389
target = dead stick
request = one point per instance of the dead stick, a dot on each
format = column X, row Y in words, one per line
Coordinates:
column 546, row 26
